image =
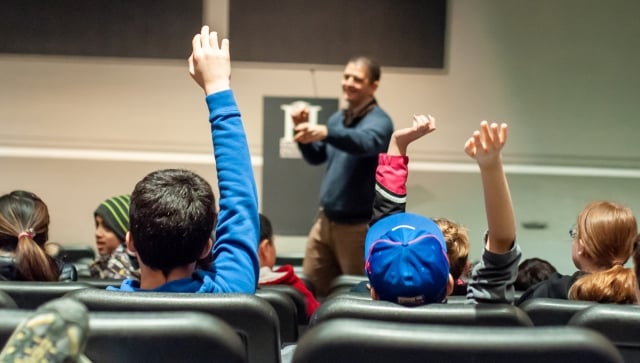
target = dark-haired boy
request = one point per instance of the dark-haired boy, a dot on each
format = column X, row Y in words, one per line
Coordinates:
column 173, row 211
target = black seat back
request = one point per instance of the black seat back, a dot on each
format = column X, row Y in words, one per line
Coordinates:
column 76, row 253
column 279, row 298
column 450, row 314
column 354, row 340
column 151, row 337
column 298, row 299
column 100, row 283
column 285, row 309
column 252, row 317
column 619, row 323
column 6, row 302
column 344, row 283
column 546, row 311
column 31, row 294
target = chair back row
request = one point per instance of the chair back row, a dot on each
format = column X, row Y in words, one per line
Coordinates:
column 258, row 319
column 252, row 317
column 453, row 314
column 356, row 340
column 150, row 337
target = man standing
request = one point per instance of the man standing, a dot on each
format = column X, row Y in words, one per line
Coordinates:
column 350, row 143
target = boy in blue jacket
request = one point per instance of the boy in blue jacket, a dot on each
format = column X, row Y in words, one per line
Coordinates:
column 173, row 211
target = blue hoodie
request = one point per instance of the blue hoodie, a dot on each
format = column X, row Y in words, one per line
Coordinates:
column 235, row 264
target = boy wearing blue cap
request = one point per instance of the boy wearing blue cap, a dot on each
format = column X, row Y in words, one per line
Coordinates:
column 405, row 253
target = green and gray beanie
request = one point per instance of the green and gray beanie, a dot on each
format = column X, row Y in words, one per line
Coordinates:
column 115, row 214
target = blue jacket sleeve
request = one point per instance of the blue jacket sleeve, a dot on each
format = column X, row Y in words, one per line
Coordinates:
column 235, row 258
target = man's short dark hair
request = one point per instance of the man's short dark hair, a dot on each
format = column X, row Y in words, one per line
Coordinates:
column 373, row 68
column 171, row 218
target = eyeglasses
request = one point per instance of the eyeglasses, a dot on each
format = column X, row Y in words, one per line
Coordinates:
column 573, row 232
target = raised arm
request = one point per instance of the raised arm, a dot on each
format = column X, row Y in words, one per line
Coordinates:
column 401, row 138
column 485, row 148
column 237, row 231
column 392, row 170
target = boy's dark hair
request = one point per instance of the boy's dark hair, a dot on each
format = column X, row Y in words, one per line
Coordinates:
column 172, row 216
column 531, row 271
column 266, row 230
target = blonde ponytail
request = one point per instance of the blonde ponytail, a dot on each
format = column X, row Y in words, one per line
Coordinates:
column 616, row 285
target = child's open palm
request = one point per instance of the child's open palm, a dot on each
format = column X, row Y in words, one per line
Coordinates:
column 209, row 63
column 401, row 138
column 485, row 145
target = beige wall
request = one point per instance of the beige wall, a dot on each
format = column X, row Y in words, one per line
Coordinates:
column 562, row 73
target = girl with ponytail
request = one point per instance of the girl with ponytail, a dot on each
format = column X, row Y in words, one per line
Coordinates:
column 24, row 228
column 603, row 240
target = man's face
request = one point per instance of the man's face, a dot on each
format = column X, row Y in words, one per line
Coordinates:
column 356, row 85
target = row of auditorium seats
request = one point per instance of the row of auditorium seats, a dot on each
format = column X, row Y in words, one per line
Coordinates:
column 176, row 336
column 356, row 340
column 286, row 301
column 255, row 318
column 198, row 337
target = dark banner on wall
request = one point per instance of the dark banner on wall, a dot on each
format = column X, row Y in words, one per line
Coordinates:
column 105, row 28
column 290, row 186
column 407, row 33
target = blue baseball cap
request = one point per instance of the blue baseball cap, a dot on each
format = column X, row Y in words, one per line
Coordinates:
column 406, row 260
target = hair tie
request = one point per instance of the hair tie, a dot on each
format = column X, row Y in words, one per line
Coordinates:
column 28, row 233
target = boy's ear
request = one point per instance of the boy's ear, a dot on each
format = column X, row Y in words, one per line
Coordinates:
column 128, row 240
column 207, row 249
column 450, row 285
column 262, row 246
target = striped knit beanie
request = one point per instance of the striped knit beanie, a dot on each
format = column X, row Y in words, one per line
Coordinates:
column 115, row 214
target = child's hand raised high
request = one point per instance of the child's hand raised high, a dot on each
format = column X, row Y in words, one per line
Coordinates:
column 209, row 63
column 485, row 145
column 401, row 138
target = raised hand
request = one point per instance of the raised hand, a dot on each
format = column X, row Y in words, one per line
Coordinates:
column 486, row 144
column 210, row 63
column 485, row 147
column 301, row 113
column 401, row 138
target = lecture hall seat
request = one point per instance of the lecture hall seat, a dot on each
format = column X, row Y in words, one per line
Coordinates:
column 449, row 314
column 357, row 340
column 150, row 337
column 619, row 323
column 253, row 318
